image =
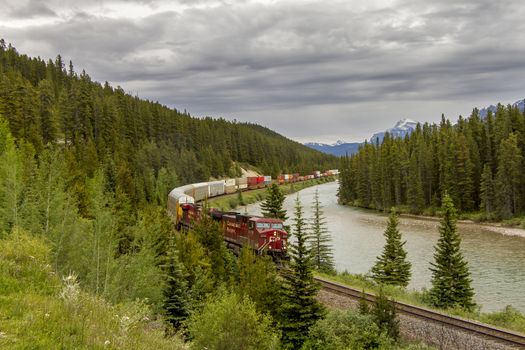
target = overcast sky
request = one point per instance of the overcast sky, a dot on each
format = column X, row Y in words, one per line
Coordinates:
column 311, row 70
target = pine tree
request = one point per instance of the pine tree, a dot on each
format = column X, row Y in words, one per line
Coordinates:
column 363, row 308
column 487, row 191
column 176, row 303
column 320, row 242
column 450, row 274
column 509, row 177
column 415, row 194
column 392, row 266
column 300, row 309
column 384, row 314
column 240, row 197
column 272, row 207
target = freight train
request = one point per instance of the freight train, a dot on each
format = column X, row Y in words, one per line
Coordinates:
column 264, row 235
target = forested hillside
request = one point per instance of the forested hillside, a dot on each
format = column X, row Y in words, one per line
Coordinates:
column 85, row 170
column 137, row 142
column 478, row 162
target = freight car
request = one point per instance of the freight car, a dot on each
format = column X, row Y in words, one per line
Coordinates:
column 261, row 234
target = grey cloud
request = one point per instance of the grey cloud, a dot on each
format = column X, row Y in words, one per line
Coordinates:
column 29, row 9
column 291, row 61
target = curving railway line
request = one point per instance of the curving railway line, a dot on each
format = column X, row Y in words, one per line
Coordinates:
column 501, row 336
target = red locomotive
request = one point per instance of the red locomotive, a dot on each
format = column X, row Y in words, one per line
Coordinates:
column 264, row 235
column 261, row 234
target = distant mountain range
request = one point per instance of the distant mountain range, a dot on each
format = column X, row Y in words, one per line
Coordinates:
column 401, row 129
column 484, row 111
column 340, row 148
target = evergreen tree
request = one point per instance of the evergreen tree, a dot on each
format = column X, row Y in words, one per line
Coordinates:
column 415, row 194
column 487, row 191
column 509, row 177
column 384, row 314
column 300, row 309
column 363, row 308
column 450, row 274
column 240, row 197
column 320, row 247
column 392, row 266
column 272, row 207
column 176, row 303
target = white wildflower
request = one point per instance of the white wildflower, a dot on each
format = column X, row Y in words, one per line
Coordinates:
column 107, row 342
column 71, row 289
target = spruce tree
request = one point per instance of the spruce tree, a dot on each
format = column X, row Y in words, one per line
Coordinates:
column 300, row 309
column 450, row 274
column 322, row 257
column 392, row 266
column 176, row 293
column 415, row 193
column 509, row 179
column 487, row 191
column 272, row 207
column 384, row 314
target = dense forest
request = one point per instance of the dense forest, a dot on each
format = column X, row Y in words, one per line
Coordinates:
column 477, row 161
column 88, row 256
column 135, row 141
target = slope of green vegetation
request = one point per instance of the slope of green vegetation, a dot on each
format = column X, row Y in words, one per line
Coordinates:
column 39, row 311
column 137, row 142
column 478, row 162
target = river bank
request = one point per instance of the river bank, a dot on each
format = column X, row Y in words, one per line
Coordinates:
column 509, row 228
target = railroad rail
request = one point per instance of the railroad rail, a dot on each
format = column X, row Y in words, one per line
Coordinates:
column 473, row 327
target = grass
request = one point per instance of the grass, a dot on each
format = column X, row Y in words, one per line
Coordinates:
column 508, row 318
column 232, row 201
column 39, row 311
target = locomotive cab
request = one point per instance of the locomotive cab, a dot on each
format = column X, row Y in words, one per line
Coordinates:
column 270, row 234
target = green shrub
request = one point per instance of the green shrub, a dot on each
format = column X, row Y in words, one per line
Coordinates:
column 346, row 330
column 231, row 322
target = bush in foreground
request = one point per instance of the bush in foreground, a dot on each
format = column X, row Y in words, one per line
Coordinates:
column 231, row 322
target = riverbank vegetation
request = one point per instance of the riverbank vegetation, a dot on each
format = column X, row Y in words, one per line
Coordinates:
column 509, row 317
column 477, row 161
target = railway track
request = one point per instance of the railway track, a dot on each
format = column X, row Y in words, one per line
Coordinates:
column 483, row 330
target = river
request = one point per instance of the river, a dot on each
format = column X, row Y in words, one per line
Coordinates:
column 496, row 261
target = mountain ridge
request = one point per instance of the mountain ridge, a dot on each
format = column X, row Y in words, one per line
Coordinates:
column 402, row 128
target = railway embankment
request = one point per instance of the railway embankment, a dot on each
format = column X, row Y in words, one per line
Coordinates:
column 237, row 201
column 428, row 326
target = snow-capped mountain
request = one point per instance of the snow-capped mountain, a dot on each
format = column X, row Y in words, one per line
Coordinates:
column 401, row 129
column 340, row 148
column 484, row 111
